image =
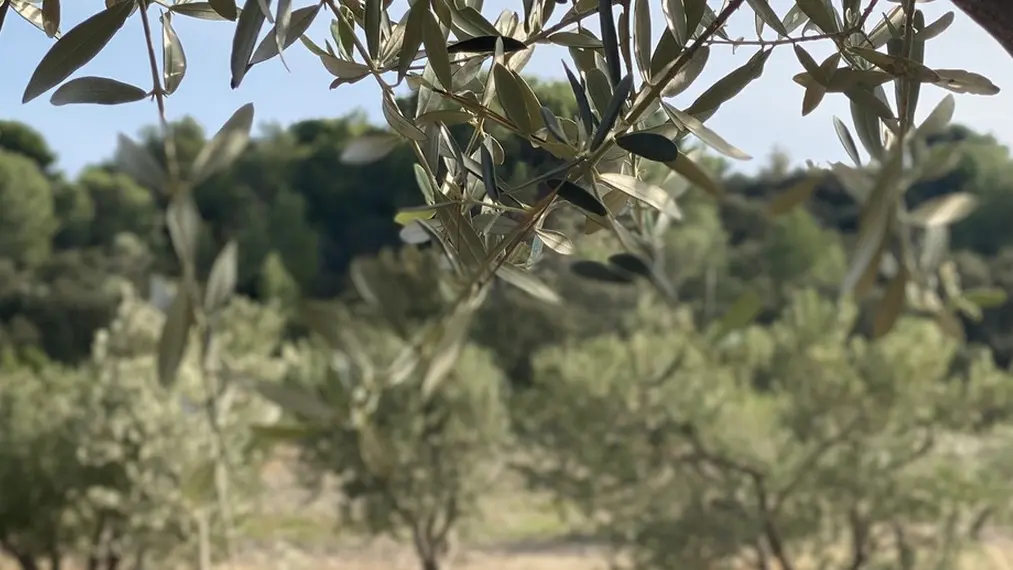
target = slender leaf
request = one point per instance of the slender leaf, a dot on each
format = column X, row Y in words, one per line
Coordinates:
column 578, row 196
column 96, row 91
column 75, row 49
column 227, row 144
column 651, row 146
column 248, row 26
column 655, row 196
column 222, row 279
column 173, row 56
column 612, row 112
column 486, row 44
column 174, row 338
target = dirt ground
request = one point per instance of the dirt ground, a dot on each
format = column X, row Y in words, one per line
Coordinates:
column 525, row 534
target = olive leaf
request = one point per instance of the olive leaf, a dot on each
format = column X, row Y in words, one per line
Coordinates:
column 578, row 196
column 398, row 122
column 583, row 106
column 612, row 112
column 174, row 337
column 51, row 17
column 299, row 22
column 222, row 279
column 414, row 30
column 372, row 23
column 217, row 10
column 489, row 173
column 527, row 282
column 436, row 50
column 730, row 85
column 97, row 91
column 223, row 148
column 224, row 8
column 847, row 141
column 609, row 40
column 703, row 133
column 675, row 17
column 137, row 162
column 173, row 56
column 651, row 146
column 600, row 272
column 75, row 49
column 248, row 26
column 486, row 44
column 511, row 97
column 796, row 194
column 368, row 149
column 944, row 210
column 891, row 306
column 767, row 15
column 740, row 314
column 648, row 193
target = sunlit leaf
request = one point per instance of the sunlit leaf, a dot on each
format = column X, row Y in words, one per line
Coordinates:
column 944, row 210
column 367, row 149
column 173, row 56
column 527, row 282
column 646, row 192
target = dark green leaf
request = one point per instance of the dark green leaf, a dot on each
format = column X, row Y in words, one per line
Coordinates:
column 207, row 10
column 76, row 48
column 97, row 91
column 489, row 174
column 486, row 44
column 51, row 17
column 611, row 114
column 583, row 106
column 578, row 196
column 3, row 12
column 599, row 272
column 608, row 37
column 224, row 8
column 251, row 20
column 373, row 19
column 552, row 124
column 651, row 146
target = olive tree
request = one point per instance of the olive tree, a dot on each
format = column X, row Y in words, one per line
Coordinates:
column 104, row 466
column 854, row 454
column 414, row 453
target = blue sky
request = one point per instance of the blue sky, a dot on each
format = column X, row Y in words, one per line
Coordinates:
column 765, row 115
